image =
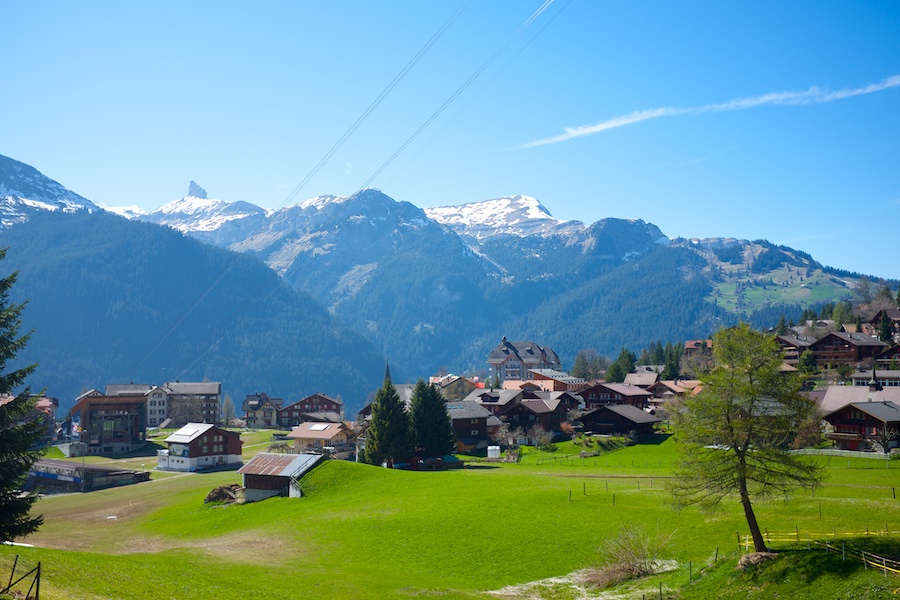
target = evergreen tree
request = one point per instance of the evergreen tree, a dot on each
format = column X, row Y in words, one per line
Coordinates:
column 623, row 365
column 807, row 362
column 781, row 327
column 389, row 437
column 672, row 369
column 432, row 427
column 19, row 434
column 885, row 330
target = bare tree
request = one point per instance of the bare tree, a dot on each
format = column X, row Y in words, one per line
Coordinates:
column 882, row 438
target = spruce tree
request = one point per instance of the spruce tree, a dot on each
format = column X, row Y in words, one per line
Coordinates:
column 19, row 434
column 389, row 437
column 432, row 427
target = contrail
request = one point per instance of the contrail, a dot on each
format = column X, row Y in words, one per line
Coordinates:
column 813, row 95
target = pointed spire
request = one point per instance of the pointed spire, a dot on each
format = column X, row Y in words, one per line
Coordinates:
column 387, row 372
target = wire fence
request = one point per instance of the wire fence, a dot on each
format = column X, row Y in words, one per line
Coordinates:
column 820, row 540
column 844, row 453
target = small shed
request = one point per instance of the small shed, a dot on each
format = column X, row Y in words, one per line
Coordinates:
column 269, row 474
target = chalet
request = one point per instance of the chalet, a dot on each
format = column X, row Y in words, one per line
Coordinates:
column 839, row 396
column 334, row 439
column 261, row 411
column 318, row 407
column 109, row 424
column 697, row 346
column 471, row 427
column 893, row 317
column 199, row 446
column 792, row 347
column 603, row 393
column 548, row 414
column 269, row 474
column 890, row 358
column 618, row 419
column 838, row 348
column 496, row 401
column 453, row 387
column 512, row 360
column 857, row 425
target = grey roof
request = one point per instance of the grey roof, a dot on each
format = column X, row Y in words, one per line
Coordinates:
column 626, row 390
column 641, row 379
column 467, row 410
column 127, row 389
column 529, row 353
column 879, row 374
column 856, row 339
column 194, row 387
column 254, row 401
column 839, row 396
column 632, row 413
column 884, row 410
column 494, row 397
column 280, row 465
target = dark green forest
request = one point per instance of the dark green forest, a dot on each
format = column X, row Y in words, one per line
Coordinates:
column 113, row 301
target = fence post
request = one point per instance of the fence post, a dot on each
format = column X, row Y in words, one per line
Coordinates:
column 716, row 559
column 843, row 552
column 797, row 529
column 691, row 571
column 739, row 540
column 614, row 498
column 865, row 564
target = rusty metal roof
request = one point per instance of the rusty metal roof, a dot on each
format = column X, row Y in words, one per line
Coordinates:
column 280, row 465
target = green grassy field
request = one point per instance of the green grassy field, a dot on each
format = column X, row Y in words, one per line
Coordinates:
column 367, row 532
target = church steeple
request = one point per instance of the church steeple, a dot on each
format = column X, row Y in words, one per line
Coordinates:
column 387, row 372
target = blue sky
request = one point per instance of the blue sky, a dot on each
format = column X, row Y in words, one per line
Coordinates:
column 752, row 120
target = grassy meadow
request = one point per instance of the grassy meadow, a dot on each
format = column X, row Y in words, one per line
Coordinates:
column 366, row 532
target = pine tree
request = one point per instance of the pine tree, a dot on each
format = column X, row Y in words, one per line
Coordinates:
column 18, row 433
column 432, row 427
column 389, row 437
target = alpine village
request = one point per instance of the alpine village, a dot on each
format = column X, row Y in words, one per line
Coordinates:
column 596, row 459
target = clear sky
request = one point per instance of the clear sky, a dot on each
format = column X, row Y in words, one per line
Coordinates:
column 774, row 120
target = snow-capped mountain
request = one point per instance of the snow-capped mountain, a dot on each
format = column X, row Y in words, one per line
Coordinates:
column 510, row 215
column 217, row 222
column 24, row 191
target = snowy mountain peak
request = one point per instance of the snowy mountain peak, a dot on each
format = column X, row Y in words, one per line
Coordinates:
column 510, row 215
column 24, row 190
column 320, row 202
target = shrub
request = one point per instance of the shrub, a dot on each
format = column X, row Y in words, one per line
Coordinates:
column 631, row 554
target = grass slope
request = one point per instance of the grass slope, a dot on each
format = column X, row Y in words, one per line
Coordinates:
column 365, row 532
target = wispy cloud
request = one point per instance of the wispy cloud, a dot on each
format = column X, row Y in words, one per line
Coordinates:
column 813, row 95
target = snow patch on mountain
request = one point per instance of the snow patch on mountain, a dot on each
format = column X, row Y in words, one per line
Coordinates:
column 511, row 215
column 129, row 212
column 196, row 214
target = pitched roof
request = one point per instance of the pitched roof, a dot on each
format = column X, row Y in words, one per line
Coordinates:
column 556, row 375
column 856, row 339
column 280, row 465
column 625, row 390
column 839, row 396
column 529, row 353
column 317, row 431
column 467, row 410
column 189, row 433
column 644, row 379
column 883, row 410
column 627, row 411
column 254, row 401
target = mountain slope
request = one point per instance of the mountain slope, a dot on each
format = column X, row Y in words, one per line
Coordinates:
column 24, row 191
column 113, row 300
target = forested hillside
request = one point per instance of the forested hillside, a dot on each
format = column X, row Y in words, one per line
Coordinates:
column 114, row 301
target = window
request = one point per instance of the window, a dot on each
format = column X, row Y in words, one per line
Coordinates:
column 205, row 449
column 474, row 432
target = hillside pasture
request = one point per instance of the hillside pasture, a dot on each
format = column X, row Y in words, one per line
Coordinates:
column 366, row 532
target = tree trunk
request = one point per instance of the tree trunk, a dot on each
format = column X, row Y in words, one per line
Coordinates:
column 759, row 544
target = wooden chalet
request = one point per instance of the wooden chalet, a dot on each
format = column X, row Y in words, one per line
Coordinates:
column 854, row 425
column 200, row 446
column 839, row 348
column 333, row 439
column 603, row 393
column 792, row 347
column 619, row 419
column 548, row 413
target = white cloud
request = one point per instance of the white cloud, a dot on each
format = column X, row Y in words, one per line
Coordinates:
column 813, row 95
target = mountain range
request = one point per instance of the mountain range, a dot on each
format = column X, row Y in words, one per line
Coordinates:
column 423, row 289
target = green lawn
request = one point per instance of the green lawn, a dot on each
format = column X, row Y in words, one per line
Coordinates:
column 367, row 532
